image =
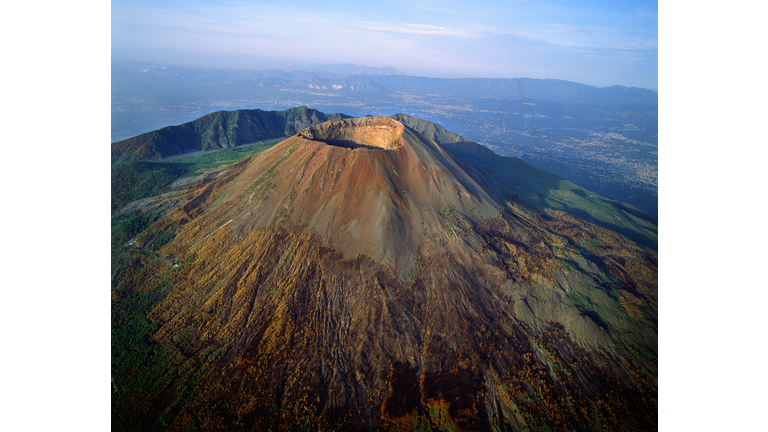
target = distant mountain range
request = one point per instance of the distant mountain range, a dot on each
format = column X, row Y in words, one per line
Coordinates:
column 348, row 69
column 353, row 78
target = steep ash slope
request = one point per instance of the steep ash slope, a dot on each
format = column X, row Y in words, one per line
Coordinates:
column 431, row 130
column 502, row 176
column 357, row 277
column 365, row 186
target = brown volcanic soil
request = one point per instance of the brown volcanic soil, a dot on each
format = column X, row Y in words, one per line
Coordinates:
column 386, row 192
column 366, row 288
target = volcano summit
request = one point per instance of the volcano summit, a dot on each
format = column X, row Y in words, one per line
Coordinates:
column 364, row 186
column 370, row 132
column 359, row 275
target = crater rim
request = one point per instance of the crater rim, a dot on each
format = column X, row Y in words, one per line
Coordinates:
column 375, row 133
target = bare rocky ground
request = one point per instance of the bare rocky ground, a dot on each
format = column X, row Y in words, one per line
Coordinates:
column 329, row 287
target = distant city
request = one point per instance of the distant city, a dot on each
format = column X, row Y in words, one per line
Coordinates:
column 605, row 140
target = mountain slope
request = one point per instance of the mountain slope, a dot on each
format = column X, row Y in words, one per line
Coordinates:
column 358, row 276
column 222, row 129
column 511, row 176
column 370, row 200
column 430, row 130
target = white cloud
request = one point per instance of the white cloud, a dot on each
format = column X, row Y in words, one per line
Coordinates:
column 412, row 29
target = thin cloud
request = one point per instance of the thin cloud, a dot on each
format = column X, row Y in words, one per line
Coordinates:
column 169, row 32
column 563, row 28
column 575, row 36
column 411, row 29
column 584, row 37
column 510, row 32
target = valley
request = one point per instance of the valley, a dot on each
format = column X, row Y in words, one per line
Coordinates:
column 602, row 139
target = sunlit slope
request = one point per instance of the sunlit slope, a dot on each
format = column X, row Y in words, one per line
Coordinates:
column 293, row 306
column 387, row 198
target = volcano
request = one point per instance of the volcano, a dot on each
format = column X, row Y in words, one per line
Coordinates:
column 364, row 186
column 361, row 276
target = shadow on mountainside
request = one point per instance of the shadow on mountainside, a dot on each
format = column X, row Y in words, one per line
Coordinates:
column 348, row 144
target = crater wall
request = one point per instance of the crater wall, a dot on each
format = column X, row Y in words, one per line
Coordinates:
column 382, row 133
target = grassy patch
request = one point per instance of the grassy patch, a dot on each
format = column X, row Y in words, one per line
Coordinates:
column 262, row 184
column 536, row 187
column 136, row 180
column 223, row 157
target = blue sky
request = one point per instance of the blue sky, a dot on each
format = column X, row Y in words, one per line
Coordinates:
column 600, row 42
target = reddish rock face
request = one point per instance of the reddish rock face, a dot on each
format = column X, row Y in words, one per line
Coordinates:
column 370, row 132
column 366, row 186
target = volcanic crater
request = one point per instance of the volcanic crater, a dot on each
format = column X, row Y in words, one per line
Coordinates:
column 370, row 186
column 377, row 133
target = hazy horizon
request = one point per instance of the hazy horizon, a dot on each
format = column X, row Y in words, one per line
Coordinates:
column 597, row 43
column 318, row 67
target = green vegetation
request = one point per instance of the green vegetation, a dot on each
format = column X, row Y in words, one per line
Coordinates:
column 147, row 367
column 136, row 180
column 160, row 234
column 435, row 418
column 606, row 312
column 445, row 213
column 140, row 365
column 217, row 130
column 514, row 178
column 124, row 228
column 130, row 225
column 262, row 184
column 224, row 157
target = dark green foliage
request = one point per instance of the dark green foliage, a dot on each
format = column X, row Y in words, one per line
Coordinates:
column 130, row 225
column 140, row 366
column 134, row 354
column 160, row 240
column 217, row 130
column 137, row 180
column 513, row 178
column 219, row 158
